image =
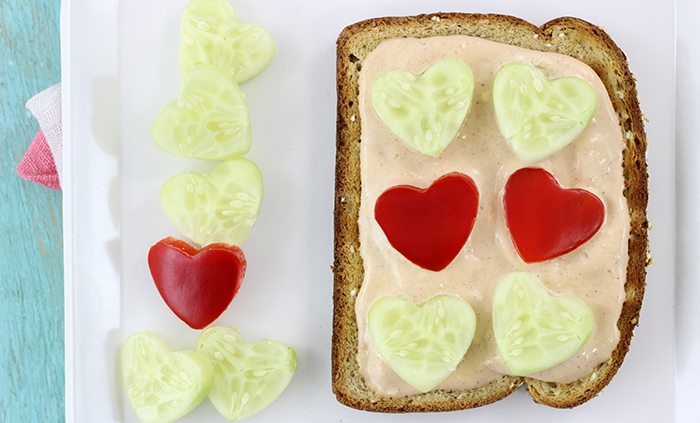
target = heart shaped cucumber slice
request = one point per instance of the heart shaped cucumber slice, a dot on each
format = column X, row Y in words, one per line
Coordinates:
column 422, row 344
column 539, row 117
column 211, row 35
column 163, row 386
column 209, row 121
column 535, row 330
column 427, row 110
column 220, row 207
column 248, row 377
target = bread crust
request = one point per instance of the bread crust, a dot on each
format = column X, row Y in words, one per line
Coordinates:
column 581, row 40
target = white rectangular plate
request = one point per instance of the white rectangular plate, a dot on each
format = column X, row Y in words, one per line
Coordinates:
column 120, row 67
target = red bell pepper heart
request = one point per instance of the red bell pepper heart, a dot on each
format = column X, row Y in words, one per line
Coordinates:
column 545, row 220
column 197, row 285
column 429, row 226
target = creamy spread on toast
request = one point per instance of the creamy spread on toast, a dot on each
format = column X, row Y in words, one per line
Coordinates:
column 595, row 272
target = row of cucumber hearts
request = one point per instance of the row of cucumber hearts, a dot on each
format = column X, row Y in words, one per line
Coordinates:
column 210, row 120
column 240, row 379
column 534, row 331
column 537, row 116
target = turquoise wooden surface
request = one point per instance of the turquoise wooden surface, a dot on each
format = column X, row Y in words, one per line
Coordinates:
column 31, row 258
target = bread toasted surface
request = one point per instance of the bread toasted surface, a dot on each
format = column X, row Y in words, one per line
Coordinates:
column 580, row 40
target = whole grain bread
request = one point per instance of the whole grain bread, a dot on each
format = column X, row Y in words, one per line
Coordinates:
column 581, row 40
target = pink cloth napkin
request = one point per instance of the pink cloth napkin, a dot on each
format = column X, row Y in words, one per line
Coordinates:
column 38, row 164
column 42, row 163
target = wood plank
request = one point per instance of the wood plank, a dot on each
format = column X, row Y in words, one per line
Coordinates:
column 31, row 258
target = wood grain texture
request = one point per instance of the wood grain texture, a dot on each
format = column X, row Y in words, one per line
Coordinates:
column 31, row 258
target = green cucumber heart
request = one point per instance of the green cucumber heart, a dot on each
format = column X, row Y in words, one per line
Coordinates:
column 422, row 344
column 427, row 110
column 539, row 117
column 210, row 119
column 211, row 35
column 248, row 377
column 161, row 385
column 220, row 207
column 535, row 330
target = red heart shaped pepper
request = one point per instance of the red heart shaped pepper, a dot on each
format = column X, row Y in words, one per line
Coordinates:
column 429, row 226
column 546, row 220
column 197, row 285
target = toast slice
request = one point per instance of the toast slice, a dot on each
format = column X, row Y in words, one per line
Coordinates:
column 581, row 40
